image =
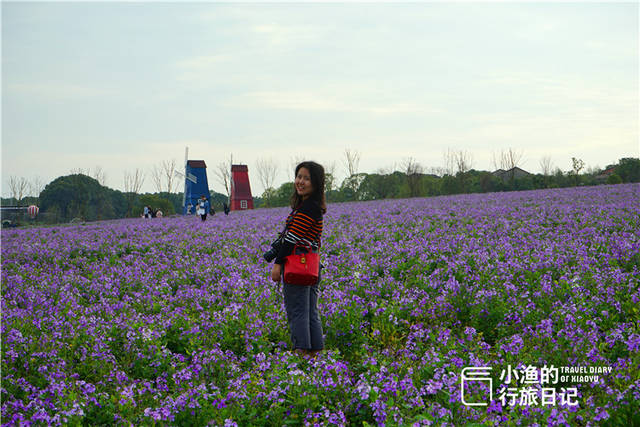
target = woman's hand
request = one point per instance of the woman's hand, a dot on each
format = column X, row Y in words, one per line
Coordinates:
column 276, row 272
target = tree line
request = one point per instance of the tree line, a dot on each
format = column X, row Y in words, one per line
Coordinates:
column 79, row 196
column 413, row 182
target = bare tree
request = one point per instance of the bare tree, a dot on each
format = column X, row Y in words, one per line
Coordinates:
column 449, row 162
column 593, row 170
column 507, row 160
column 414, row 171
column 546, row 165
column 411, row 167
column 437, row 170
column 512, row 160
column 132, row 184
column 100, row 175
column 295, row 161
column 18, row 187
column 463, row 161
column 351, row 161
column 330, row 176
column 79, row 171
column 267, row 170
column 36, row 186
column 156, row 177
column 169, row 170
column 223, row 173
column 133, row 181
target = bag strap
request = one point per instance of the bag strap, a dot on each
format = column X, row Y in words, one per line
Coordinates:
column 309, row 248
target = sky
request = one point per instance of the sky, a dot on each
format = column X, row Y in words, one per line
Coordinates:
column 126, row 86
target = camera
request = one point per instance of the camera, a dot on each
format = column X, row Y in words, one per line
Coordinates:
column 273, row 252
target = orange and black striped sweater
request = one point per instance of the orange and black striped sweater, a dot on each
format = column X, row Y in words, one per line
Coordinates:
column 304, row 228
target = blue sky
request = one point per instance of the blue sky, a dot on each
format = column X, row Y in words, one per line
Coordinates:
column 127, row 85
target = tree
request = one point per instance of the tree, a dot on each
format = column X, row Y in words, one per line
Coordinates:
column 169, row 169
column 267, row 170
column 36, row 186
column 77, row 195
column 133, row 181
column 629, row 169
column 79, row 171
column 449, row 185
column 100, row 175
column 546, row 165
column 614, row 178
column 438, row 171
column 487, row 182
column 577, row 167
column 374, row 187
column 97, row 173
column 223, row 173
column 283, row 194
column 18, row 187
column 132, row 184
column 449, row 162
column 414, row 172
column 164, row 176
column 156, row 177
column 330, row 176
column 351, row 186
column 295, row 161
column 352, row 161
column 464, row 163
column 507, row 160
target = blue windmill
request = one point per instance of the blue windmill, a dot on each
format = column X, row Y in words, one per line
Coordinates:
column 195, row 183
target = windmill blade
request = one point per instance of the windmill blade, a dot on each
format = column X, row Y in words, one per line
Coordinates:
column 191, row 177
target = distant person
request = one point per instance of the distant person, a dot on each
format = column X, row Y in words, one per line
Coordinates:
column 189, row 207
column 146, row 212
column 203, row 207
column 159, row 213
column 303, row 227
column 225, row 207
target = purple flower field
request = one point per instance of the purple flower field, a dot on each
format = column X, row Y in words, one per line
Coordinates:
column 174, row 321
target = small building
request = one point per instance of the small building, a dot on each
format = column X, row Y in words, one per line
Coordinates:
column 513, row 173
column 241, row 198
column 605, row 174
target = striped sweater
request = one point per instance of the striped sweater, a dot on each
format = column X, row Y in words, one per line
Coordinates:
column 304, row 228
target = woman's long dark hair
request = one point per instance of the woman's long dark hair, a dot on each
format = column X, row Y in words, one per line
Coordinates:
column 317, row 181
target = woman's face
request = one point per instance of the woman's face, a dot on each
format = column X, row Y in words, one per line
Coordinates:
column 303, row 183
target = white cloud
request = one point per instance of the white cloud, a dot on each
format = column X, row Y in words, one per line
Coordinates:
column 56, row 90
column 322, row 101
column 275, row 35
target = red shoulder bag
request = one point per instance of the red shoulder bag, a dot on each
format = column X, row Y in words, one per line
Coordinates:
column 302, row 268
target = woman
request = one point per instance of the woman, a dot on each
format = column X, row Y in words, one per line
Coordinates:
column 303, row 228
column 203, row 207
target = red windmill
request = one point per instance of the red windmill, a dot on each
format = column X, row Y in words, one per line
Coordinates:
column 241, row 198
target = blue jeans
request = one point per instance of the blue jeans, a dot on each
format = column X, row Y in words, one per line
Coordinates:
column 301, row 304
